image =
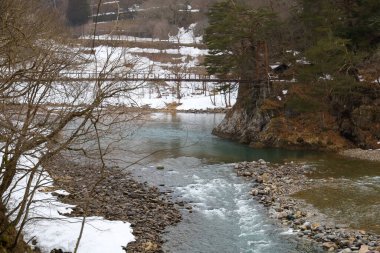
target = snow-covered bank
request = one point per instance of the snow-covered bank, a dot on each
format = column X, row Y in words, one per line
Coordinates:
column 48, row 226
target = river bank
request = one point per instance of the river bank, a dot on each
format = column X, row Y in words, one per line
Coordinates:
column 187, row 120
column 371, row 155
column 273, row 186
column 115, row 195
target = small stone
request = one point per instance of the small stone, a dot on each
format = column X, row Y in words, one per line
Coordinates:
column 266, row 177
column 254, row 192
column 247, row 174
column 318, row 236
column 261, row 161
column 364, row 249
column 307, row 232
column 331, row 237
column 347, row 250
column 315, row 226
column 298, row 214
column 307, row 225
column 281, row 215
column 149, row 246
column 290, row 217
column 329, row 245
column 345, row 243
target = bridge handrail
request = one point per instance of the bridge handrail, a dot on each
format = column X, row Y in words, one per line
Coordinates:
column 144, row 75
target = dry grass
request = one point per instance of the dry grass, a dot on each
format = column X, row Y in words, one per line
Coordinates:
column 272, row 104
column 162, row 57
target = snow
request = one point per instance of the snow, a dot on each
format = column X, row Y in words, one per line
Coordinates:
column 113, row 2
column 192, row 51
column 274, row 66
column 147, row 93
column 183, row 50
column 186, row 36
column 188, row 101
column 52, row 229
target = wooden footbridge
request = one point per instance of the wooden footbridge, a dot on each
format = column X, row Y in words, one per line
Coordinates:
column 148, row 77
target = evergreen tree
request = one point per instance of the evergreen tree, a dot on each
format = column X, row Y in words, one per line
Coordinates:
column 339, row 35
column 232, row 36
column 78, row 12
column 360, row 23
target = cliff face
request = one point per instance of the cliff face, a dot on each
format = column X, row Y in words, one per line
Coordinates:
column 277, row 121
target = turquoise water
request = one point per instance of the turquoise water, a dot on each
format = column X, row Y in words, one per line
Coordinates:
column 198, row 170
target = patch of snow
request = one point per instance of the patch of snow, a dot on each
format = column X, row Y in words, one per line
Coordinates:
column 327, row 77
column 293, row 52
column 274, row 66
column 191, row 51
column 113, row 2
column 186, row 36
column 62, row 192
column 303, row 62
column 279, row 98
column 284, row 92
column 52, row 229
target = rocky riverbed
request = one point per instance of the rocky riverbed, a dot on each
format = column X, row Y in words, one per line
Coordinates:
column 369, row 154
column 273, row 186
column 115, row 195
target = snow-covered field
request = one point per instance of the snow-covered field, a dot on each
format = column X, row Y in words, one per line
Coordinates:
column 156, row 95
column 159, row 95
column 121, row 61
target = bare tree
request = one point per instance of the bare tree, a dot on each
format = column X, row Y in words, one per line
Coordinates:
column 44, row 110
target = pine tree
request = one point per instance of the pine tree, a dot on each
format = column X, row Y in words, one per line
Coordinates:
column 361, row 23
column 339, row 35
column 78, row 12
column 232, row 37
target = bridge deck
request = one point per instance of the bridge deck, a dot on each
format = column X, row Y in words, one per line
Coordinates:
column 144, row 77
column 141, row 77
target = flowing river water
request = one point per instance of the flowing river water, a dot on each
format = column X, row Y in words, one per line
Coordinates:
column 198, row 169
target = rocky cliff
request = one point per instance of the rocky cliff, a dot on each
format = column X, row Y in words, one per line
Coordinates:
column 284, row 115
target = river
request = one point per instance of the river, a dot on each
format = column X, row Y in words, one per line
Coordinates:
column 198, row 170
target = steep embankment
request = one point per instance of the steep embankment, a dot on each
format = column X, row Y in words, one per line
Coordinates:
column 300, row 116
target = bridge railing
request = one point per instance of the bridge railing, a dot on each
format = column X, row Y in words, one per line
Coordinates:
column 145, row 77
column 136, row 76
